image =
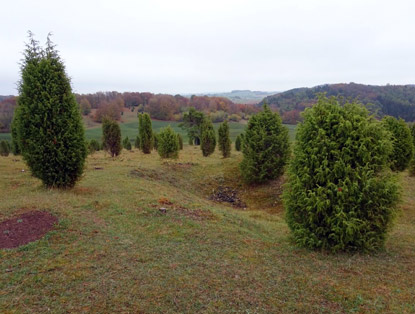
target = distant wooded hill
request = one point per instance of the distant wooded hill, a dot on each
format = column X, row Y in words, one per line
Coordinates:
column 394, row 100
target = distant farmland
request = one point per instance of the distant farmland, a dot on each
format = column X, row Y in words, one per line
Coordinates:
column 130, row 129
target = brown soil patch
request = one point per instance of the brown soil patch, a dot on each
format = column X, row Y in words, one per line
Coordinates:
column 228, row 195
column 25, row 228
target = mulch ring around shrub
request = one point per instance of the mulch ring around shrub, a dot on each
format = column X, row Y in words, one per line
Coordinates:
column 25, row 228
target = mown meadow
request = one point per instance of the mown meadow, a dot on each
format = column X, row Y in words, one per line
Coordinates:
column 115, row 250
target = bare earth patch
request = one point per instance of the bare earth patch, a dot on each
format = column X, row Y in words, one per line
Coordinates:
column 25, row 228
column 228, row 195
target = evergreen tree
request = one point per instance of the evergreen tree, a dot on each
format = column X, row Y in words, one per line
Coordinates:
column 180, row 139
column 224, row 139
column 155, row 140
column 126, row 143
column 137, row 142
column 93, row 146
column 238, row 143
column 111, row 137
column 15, row 147
column 168, row 143
column 339, row 195
column 265, row 147
column 412, row 163
column 4, row 148
column 49, row 128
column 192, row 123
column 208, row 138
column 145, row 132
column 403, row 146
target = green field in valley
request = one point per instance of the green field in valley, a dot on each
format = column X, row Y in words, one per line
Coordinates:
column 130, row 129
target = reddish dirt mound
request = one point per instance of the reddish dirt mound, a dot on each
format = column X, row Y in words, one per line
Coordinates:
column 25, row 228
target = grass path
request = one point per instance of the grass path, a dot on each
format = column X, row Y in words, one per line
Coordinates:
column 114, row 251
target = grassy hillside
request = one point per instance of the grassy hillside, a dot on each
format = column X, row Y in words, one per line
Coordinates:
column 394, row 100
column 114, row 251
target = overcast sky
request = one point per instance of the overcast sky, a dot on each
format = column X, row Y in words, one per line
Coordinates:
column 180, row 46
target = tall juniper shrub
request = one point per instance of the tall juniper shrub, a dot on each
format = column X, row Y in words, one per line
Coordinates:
column 49, row 128
column 265, row 147
column 340, row 195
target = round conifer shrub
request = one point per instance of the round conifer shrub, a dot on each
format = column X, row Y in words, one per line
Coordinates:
column 265, row 147
column 224, row 139
column 168, row 143
column 93, row 146
column 208, row 138
column 111, row 137
column 126, row 143
column 49, row 127
column 403, row 146
column 340, row 195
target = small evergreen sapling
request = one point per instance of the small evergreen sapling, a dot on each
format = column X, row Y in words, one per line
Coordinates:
column 4, row 148
column 111, row 137
column 137, row 142
column 15, row 146
column 340, row 195
column 93, row 146
column 168, row 143
column 238, row 143
column 126, row 143
column 224, row 139
column 208, row 139
column 155, row 142
column 265, row 147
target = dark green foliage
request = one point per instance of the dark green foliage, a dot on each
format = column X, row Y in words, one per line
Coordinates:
column 393, row 100
column 412, row 163
column 168, row 143
column 265, row 147
column 403, row 146
column 111, row 137
column 50, row 131
column 93, row 146
column 224, row 140
column 145, row 133
column 340, row 195
column 137, row 142
column 208, row 138
column 15, row 147
column 192, row 122
column 126, row 143
column 155, row 140
column 238, row 143
column 4, row 148
column 180, row 139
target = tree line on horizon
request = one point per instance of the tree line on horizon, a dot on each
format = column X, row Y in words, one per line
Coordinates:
column 393, row 100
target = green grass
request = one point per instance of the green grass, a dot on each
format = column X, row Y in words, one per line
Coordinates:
column 113, row 251
column 130, row 129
